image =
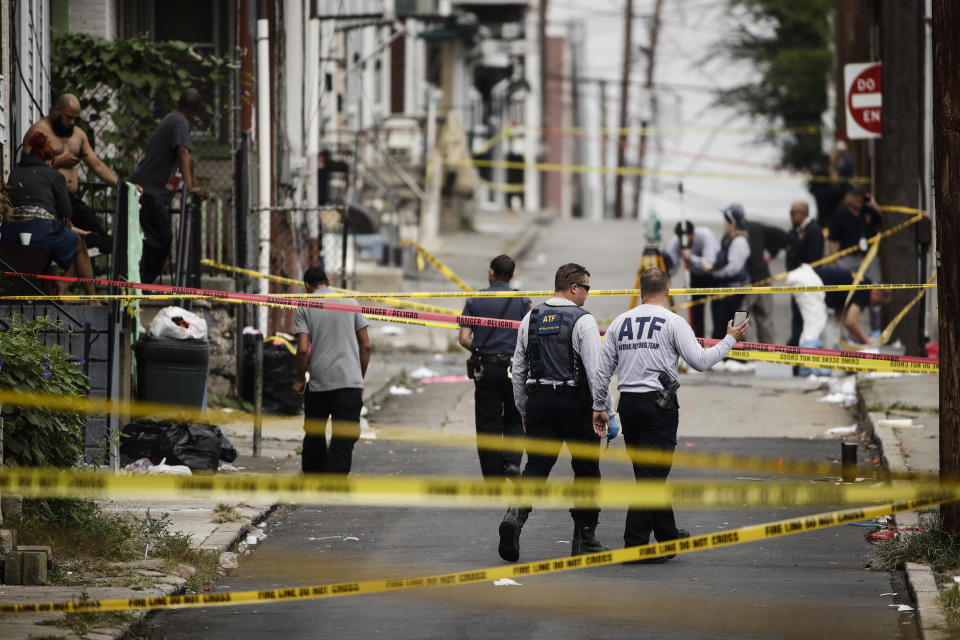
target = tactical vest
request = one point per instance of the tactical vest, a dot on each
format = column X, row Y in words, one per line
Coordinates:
column 741, row 276
column 550, row 354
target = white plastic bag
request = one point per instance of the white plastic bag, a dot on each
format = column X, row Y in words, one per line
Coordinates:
column 170, row 469
column 179, row 324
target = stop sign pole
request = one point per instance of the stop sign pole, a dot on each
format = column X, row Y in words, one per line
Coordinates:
column 863, row 97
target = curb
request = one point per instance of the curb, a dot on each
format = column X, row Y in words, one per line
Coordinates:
column 925, row 591
column 919, row 577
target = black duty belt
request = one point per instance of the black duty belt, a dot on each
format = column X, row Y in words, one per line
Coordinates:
column 496, row 358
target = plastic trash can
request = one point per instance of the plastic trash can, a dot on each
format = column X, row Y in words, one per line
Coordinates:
column 172, row 371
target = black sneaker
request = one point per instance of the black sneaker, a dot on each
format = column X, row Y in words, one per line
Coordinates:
column 511, row 469
column 509, row 548
column 584, row 541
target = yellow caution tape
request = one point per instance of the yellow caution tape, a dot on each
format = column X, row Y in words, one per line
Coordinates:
column 432, row 259
column 719, row 291
column 441, row 491
column 426, row 436
column 897, row 209
column 607, row 292
column 888, row 332
column 506, row 187
column 703, row 542
column 835, row 362
column 637, row 171
column 404, row 304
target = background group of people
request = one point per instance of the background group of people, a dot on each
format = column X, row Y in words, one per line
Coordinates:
column 742, row 256
column 42, row 189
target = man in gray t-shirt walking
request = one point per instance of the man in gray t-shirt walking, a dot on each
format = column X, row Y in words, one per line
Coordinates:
column 336, row 347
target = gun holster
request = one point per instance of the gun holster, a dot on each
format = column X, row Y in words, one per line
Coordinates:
column 475, row 366
column 667, row 396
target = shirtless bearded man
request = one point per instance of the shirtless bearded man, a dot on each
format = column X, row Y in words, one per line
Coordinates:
column 71, row 145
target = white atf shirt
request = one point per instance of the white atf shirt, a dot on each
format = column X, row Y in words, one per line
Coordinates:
column 644, row 341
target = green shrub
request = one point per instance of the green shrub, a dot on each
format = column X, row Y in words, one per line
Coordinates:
column 33, row 436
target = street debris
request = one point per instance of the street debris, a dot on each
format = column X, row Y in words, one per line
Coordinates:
column 390, row 330
column 888, row 534
column 506, row 582
column 843, row 431
column 444, row 379
column 398, row 390
column 229, row 560
column 902, row 607
column 899, row 423
column 423, row 372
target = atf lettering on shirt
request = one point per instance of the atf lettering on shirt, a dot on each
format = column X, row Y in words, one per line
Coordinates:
column 549, row 324
column 626, row 329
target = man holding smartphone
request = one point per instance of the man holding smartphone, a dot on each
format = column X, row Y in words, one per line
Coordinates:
column 642, row 345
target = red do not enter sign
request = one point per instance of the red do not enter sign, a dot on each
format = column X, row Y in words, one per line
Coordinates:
column 865, row 98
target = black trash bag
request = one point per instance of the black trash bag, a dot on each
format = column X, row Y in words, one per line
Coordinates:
column 228, row 453
column 200, row 447
column 145, row 438
column 279, row 374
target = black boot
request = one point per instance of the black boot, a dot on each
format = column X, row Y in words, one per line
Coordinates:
column 509, row 548
column 584, row 541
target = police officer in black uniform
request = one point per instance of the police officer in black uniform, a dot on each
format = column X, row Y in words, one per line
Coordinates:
column 555, row 366
column 489, row 365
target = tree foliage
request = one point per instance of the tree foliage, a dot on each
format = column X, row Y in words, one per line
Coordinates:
column 126, row 85
column 33, row 436
column 788, row 43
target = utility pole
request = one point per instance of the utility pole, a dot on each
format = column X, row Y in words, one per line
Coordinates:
column 624, row 89
column 946, row 155
column 542, row 7
column 578, row 207
column 851, row 43
column 604, row 152
column 648, row 87
column 899, row 160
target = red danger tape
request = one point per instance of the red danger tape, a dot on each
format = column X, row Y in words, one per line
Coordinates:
column 472, row 321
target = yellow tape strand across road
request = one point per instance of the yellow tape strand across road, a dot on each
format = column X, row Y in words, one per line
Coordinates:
column 605, row 292
column 459, row 492
column 715, row 540
column 426, row 436
column 404, row 304
column 637, row 171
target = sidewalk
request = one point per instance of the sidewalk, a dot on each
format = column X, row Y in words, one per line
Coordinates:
column 886, row 402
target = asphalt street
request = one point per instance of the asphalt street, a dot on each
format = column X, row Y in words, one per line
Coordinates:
column 812, row 585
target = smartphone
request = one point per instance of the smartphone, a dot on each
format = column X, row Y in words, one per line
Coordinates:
column 739, row 317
